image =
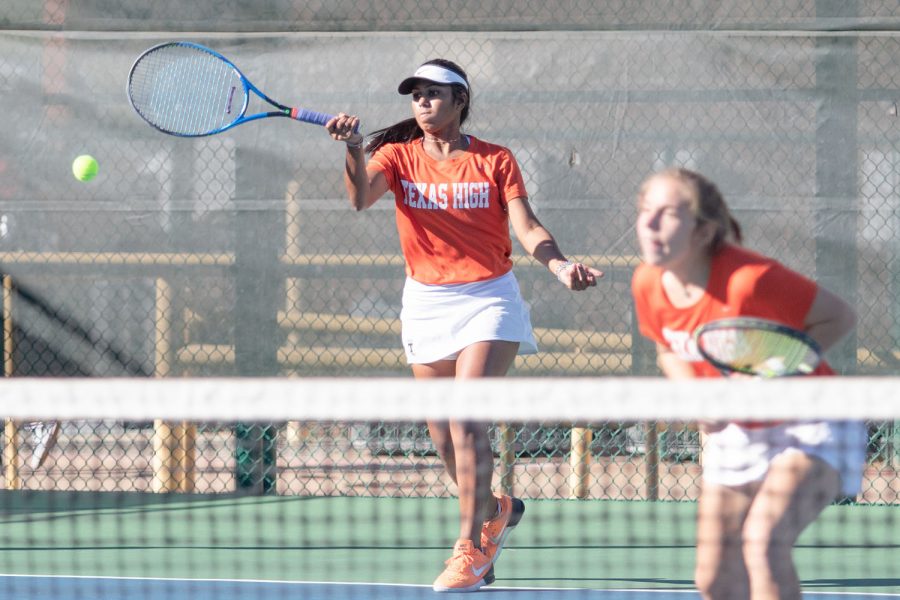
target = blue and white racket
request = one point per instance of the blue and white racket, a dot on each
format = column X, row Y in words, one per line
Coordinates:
column 189, row 90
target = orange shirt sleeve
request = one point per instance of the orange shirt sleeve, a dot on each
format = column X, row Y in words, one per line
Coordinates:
column 775, row 292
column 382, row 160
column 509, row 178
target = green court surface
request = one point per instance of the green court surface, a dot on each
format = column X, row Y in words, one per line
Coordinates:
column 573, row 544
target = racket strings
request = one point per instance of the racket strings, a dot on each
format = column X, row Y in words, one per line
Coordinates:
column 186, row 91
column 760, row 352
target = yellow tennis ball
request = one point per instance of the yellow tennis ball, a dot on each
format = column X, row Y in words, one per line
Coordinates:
column 85, row 167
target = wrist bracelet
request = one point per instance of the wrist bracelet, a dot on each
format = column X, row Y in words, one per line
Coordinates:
column 359, row 145
column 562, row 267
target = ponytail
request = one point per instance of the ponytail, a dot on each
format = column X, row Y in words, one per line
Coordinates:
column 736, row 232
column 398, row 133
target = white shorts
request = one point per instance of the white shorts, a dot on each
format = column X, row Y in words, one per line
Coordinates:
column 737, row 455
column 440, row 320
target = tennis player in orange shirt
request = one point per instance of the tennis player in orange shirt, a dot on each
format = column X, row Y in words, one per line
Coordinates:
column 763, row 483
column 463, row 314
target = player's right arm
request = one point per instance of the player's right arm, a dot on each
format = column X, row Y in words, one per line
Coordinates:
column 364, row 187
column 829, row 319
column 821, row 314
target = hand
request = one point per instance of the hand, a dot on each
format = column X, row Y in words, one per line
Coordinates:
column 343, row 128
column 577, row 276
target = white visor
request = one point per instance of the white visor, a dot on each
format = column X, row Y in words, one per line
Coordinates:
column 433, row 73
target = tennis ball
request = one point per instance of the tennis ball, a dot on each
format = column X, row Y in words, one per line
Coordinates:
column 85, row 167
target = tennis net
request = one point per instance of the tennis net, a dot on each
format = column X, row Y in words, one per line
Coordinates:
column 331, row 488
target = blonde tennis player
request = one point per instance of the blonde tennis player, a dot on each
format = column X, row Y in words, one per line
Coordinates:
column 763, row 482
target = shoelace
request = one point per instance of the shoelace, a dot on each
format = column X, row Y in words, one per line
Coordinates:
column 485, row 539
column 467, row 560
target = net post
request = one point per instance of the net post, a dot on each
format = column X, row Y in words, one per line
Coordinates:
column 163, row 457
column 11, row 428
column 11, row 455
column 162, row 431
column 184, row 458
column 507, row 453
column 173, row 457
column 580, row 463
column 173, row 445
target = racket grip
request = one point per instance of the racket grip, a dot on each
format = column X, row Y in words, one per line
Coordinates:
column 311, row 116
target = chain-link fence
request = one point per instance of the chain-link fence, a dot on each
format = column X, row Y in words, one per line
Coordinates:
column 237, row 254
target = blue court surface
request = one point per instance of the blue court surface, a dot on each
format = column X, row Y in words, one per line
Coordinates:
column 105, row 588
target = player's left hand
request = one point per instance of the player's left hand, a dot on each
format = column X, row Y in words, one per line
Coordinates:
column 578, row 276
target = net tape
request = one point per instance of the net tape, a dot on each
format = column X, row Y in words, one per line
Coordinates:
column 500, row 399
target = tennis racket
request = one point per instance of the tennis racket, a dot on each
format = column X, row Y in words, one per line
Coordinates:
column 189, row 90
column 757, row 347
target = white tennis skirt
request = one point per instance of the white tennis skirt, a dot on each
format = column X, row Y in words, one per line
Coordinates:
column 737, row 455
column 440, row 320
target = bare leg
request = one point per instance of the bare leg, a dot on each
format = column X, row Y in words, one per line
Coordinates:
column 720, row 573
column 794, row 493
column 477, row 503
column 465, row 446
column 440, row 430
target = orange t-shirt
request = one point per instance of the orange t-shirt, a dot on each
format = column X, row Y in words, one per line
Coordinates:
column 451, row 214
column 741, row 283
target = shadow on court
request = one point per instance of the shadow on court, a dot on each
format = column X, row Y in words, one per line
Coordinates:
column 45, row 504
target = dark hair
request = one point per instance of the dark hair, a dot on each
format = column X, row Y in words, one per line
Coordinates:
column 706, row 202
column 408, row 130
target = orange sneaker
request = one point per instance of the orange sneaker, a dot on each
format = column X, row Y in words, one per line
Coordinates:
column 497, row 529
column 467, row 570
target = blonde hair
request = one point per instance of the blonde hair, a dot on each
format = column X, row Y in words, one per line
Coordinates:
column 706, row 203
